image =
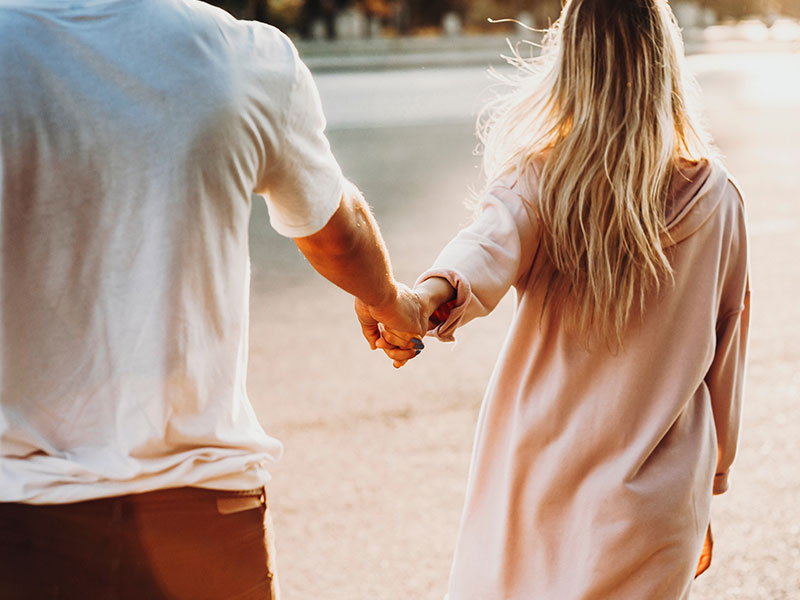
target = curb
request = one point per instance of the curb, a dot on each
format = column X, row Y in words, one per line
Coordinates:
column 387, row 54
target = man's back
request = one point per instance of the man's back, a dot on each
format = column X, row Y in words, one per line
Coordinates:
column 133, row 133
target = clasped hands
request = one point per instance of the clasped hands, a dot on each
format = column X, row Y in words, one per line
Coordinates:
column 398, row 326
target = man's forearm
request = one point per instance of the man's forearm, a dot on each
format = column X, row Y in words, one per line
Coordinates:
column 349, row 251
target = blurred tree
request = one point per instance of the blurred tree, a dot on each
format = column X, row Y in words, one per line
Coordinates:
column 407, row 15
column 244, row 9
column 283, row 13
column 429, row 13
column 478, row 12
column 313, row 11
column 791, row 8
column 543, row 12
column 738, row 9
column 733, row 8
column 381, row 9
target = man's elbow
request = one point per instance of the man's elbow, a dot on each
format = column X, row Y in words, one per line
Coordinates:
column 342, row 234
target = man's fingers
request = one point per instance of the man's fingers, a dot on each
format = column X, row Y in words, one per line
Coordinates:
column 405, row 314
column 369, row 326
column 372, row 335
column 387, row 329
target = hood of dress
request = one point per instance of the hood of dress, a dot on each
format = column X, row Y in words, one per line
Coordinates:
column 695, row 194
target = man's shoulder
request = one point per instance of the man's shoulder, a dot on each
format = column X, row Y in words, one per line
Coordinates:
column 247, row 39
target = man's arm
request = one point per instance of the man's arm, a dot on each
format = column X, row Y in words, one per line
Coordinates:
column 349, row 251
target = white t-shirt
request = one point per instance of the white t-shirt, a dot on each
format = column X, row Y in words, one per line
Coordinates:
column 132, row 135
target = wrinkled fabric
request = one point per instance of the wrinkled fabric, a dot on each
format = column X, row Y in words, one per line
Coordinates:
column 132, row 136
column 593, row 469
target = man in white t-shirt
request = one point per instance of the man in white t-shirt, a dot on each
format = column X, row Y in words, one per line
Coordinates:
column 133, row 134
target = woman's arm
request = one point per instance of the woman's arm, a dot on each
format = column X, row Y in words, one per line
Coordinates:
column 485, row 259
column 435, row 294
column 725, row 377
column 474, row 271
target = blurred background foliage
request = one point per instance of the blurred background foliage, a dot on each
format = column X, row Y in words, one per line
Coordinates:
column 317, row 18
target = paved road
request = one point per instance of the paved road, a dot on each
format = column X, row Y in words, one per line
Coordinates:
column 368, row 496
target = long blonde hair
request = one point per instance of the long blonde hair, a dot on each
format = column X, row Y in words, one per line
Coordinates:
column 602, row 116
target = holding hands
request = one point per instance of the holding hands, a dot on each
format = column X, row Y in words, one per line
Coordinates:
column 398, row 326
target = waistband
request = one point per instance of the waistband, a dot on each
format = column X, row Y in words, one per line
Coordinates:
column 222, row 501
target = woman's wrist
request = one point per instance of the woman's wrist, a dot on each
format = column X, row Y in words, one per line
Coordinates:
column 433, row 292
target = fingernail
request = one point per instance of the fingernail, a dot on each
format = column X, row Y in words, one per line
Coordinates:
column 417, row 343
column 417, row 351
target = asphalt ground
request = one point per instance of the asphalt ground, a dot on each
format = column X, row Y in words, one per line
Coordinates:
column 368, row 496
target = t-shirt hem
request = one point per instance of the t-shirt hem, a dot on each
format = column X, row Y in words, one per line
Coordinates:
column 68, row 492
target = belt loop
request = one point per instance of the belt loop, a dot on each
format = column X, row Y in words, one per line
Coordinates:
column 231, row 504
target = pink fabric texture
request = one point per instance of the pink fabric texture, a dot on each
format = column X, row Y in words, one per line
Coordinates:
column 592, row 470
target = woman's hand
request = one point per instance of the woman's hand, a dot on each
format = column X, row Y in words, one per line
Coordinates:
column 436, row 297
column 705, row 555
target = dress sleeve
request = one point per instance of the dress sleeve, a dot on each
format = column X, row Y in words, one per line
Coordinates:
column 304, row 185
column 725, row 381
column 725, row 378
column 488, row 257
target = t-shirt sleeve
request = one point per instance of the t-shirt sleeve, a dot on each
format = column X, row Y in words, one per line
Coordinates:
column 303, row 185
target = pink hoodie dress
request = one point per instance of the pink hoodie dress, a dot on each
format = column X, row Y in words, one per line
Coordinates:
column 592, row 471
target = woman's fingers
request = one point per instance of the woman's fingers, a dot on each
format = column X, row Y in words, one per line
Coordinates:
column 401, row 353
column 400, row 339
column 399, row 346
column 401, row 357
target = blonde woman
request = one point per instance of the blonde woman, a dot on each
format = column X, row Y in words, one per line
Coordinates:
column 613, row 411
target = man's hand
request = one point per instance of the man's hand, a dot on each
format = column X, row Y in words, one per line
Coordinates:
column 402, row 313
column 400, row 342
